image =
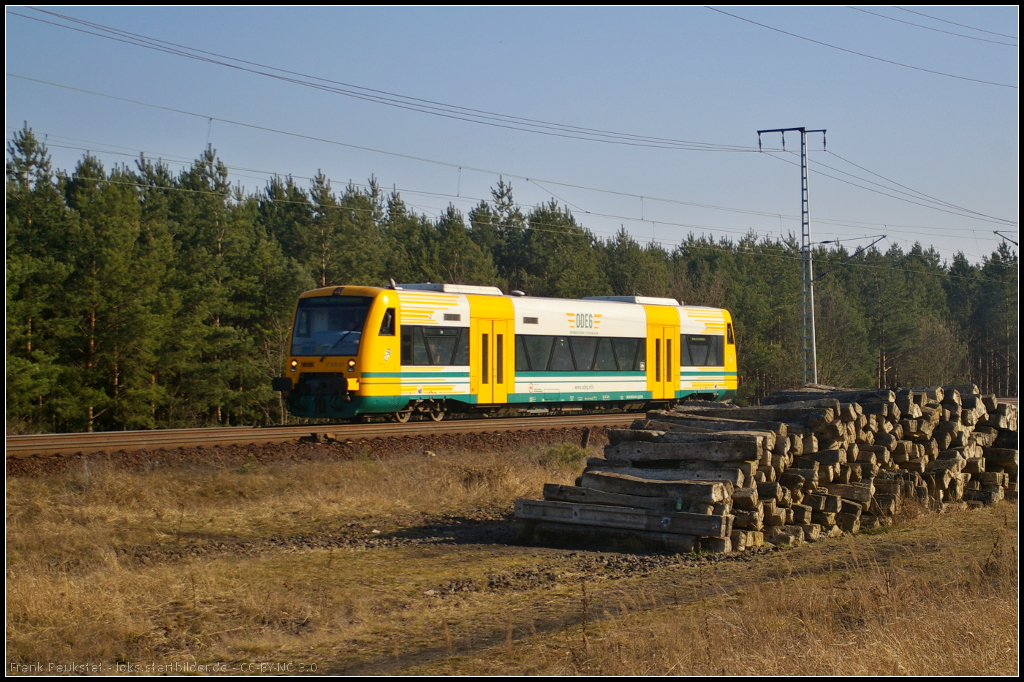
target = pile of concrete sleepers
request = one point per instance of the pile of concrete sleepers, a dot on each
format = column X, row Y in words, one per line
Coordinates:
column 803, row 465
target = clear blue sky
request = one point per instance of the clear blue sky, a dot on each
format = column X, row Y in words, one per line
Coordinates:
column 689, row 74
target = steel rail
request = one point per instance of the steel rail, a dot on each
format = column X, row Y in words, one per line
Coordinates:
column 49, row 444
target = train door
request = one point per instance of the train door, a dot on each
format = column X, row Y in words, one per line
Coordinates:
column 663, row 361
column 662, row 352
column 493, row 360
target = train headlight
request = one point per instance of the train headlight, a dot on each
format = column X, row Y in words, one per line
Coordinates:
column 295, row 365
column 351, row 365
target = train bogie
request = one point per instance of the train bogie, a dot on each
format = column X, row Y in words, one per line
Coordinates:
column 442, row 347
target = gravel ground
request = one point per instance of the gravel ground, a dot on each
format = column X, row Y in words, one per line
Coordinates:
column 235, row 455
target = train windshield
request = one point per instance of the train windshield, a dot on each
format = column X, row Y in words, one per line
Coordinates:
column 329, row 325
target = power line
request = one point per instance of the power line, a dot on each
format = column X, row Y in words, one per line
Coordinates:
column 102, row 147
column 928, row 16
column 912, row 193
column 701, row 242
column 861, row 54
column 441, row 109
column 927, row 196
column 937, row 30
column 998, row 221
column 436, row 211
column 446, row 164
column 847, row 222
column 452, row 165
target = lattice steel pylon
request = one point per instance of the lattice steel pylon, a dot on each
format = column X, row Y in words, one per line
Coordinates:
column 810, row 347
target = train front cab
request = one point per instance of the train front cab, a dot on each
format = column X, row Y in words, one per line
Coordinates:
column 383, row 372
column 344, row 357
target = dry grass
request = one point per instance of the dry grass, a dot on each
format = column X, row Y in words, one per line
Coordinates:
column 75, row 521
column 863, row 607
column 185, row 565
column 106, row 565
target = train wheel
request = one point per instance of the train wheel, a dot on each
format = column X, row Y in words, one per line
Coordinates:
column 403, row 416
column 436, row 415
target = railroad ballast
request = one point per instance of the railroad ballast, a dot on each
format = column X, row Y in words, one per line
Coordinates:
column 438, row 348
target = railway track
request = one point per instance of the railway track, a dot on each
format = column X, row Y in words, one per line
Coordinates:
column 53, row 444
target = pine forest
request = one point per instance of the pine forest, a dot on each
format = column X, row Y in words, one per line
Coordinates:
column 142, row 298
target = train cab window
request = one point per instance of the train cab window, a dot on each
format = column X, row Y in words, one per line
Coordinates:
column 583, row 348
column 704, row 350
column 387, row 325
column 729, row 338
column 329, row 325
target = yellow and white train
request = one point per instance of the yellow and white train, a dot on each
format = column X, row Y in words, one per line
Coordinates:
column 439, row 348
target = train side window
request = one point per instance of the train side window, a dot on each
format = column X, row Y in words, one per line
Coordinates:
column 462, row 348
column 407, row 343
column 387, row 325
column 499, row 346
column 629, row 353
column 604, row 360
column 704, row 350
column 561, row 356
column 668, row 359
column 522, row 363
column 539, row 349
column 657, row 359
column 729, row 335
column 434, row 345
column 441, row 342
column 579, row 354
column 583, row 349
column 419, row 348
column 485, row 352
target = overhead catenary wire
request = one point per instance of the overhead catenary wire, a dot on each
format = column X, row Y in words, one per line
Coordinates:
column 998, row 221
column 862, row 54
column 534, row 225
column 444, row 110
column 922, row 194
column 447, row 164
column 93, row 146
column 454, row 165
column 918, row 195
column 937, row 30
column 928, row 16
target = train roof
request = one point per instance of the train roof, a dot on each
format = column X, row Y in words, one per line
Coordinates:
column 479, row 290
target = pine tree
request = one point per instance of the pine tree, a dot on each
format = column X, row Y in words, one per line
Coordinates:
column 36, row 224
column 460, row 259
column 561, row 257
column 998, row 318
column 634, row 270
column 117, row 272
